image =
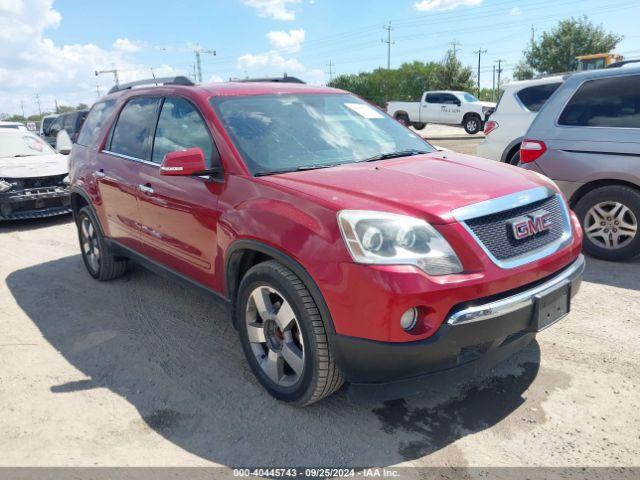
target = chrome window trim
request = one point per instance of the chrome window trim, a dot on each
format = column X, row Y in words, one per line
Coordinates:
column 508, row 202
column 517, row 301
column 133, row 159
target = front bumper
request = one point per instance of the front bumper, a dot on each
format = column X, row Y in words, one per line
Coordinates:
column 35, row 203
column 475, row 336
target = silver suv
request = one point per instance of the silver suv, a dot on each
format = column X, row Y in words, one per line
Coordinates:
column 587, row 139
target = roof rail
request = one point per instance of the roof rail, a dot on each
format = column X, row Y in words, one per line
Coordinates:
column 622, row 63
column 284, row 79
column 179, row 80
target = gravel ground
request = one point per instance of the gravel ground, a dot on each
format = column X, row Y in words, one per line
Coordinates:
column 144, row 372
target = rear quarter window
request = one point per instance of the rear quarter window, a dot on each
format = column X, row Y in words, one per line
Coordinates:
column 94, row 122
column 607, row 102
column 533, row 98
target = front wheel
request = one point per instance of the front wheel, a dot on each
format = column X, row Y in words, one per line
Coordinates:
column 472, row 124
column 283, row 336
column 419, row 126
column 403, row 119
column 609, row 218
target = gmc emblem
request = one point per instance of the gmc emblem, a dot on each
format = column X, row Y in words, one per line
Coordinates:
column 531, row 224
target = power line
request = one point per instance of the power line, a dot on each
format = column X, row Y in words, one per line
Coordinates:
column 198, row 51
column 454, row 44
column 389, row 43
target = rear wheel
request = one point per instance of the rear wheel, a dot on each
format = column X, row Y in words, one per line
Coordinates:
column 515, row 158
column 403, row 118
column 472, row 124
column 419, row 126
column 97, row 255
column 610, row 217
column 283, row 336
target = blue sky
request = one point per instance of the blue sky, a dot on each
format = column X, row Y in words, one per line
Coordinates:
column 266, row 37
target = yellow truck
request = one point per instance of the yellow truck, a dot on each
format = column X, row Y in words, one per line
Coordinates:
column 596, row 61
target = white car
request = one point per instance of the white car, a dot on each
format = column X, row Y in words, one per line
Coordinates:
column 14, row 125
column 517, row 107
column 34, row 178
column 446, row 107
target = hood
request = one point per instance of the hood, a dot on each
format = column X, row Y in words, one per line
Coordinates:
column 487, row 104
column 33, row 166
column 428, row 186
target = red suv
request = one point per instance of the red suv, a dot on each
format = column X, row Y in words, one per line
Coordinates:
column 345, row 246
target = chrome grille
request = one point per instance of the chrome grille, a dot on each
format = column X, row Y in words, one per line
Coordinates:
column 494, row 231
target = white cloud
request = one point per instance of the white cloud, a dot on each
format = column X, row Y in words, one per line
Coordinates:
column 427, row 5
column 271, row 61
column 290, row 41
column 215, row 79
column 515, row 11
column 32, row 64
column 275, row 9
column 126, row 45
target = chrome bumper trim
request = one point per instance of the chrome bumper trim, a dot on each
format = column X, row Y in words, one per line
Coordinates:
column 519, row 300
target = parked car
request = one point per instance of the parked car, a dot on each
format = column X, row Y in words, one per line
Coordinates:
column 13, row 125
column 345, row 246
column 33, row 177
column 45, row 125
column 444, row 107
column 519, row 104
column 69, row 121
column 587, row 139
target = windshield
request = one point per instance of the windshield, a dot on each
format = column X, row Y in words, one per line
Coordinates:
column 469, row 98
column 22, row 145
column 289, row 132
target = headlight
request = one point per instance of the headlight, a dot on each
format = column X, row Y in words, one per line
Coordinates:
column 5, row 186
column 66, row 180
column 381, row 238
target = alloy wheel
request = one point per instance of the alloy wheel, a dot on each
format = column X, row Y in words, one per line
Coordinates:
column 472, row 125
column 610, row 225
column 90, row 245
column 274, row 335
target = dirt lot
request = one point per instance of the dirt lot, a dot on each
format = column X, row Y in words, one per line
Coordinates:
column 142, row 371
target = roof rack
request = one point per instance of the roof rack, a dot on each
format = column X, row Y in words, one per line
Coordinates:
column 283, row 79
column 179, row 80
column 624, row 62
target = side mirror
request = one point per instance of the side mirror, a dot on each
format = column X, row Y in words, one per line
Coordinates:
column 63, row 142
column 184, row 162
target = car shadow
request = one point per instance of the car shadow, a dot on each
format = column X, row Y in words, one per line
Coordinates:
column 34, row 223
column 171, row 352
column 616, row 274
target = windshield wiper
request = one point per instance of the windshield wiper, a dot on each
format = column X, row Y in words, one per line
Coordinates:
column 398, row 154
column 296, row 169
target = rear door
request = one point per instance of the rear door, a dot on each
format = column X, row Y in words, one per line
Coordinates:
column 118, row 176
column 180, row 213
column 597, row 132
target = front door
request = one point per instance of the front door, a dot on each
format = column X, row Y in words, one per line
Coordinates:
column 180, row 213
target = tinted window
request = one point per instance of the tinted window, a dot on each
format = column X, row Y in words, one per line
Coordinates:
column 69, row 122
column 132, row 133
column 607, row 102
column 449, row 99
column 535, row 97
column 433, row 98
column 56, row 126
column 95, row 120
column 46, row 123
column 180, row 126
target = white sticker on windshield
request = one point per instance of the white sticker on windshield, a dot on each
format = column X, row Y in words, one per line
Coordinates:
column 364, row 110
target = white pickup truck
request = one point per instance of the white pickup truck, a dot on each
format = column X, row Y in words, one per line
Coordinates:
column 444, row 107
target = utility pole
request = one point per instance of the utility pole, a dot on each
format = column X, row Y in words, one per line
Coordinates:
column 455, row 44
column 22, row 108
column 479, row 52
column 330, row 65
column 493, row 88
column 115, row 74
column 389, row 43
column 533, row 34
column 98, row 91
column 499, row 70
column 198, row 51
column 195, row 76
column 56, row 102
column 38, row 101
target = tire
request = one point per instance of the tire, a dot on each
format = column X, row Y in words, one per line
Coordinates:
column 105, row 266
column 600, row 229
column 403, row 118
column 472, row 124
column 419, row 126
column 269, row 349
column 514, row 159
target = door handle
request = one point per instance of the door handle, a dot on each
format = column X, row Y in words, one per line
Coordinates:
column 146, row 189
column 99, row 174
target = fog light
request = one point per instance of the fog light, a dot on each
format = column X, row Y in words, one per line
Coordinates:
column 409, row 319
